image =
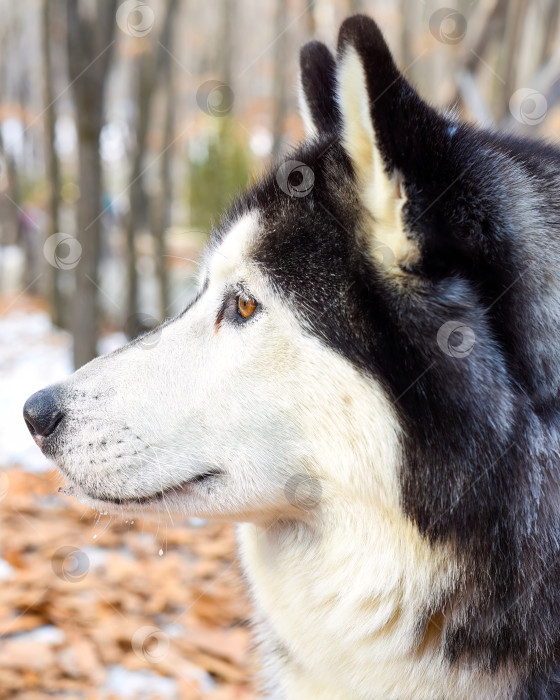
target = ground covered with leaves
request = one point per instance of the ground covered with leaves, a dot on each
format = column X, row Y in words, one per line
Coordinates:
column 93, row 607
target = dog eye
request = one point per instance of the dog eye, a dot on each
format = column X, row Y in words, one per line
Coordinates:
column 237, row 308
column 245, row 307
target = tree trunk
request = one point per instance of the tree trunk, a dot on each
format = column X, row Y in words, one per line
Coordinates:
column 225, row 48
column 507, row 66
column 52, row 166
column 9, row 230
column 163, row 200
column 90, row 32
column 146, row 64
column 280, row 78
column 310, row 23
column 85, row 317
column 408, row 18
column 355, row 6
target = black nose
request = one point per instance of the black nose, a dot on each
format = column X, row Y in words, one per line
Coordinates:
column 42, row 412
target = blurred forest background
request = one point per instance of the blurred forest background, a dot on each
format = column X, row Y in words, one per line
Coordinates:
column 125, row 128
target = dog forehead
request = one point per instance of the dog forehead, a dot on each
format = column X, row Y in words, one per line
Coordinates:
column 232, row 251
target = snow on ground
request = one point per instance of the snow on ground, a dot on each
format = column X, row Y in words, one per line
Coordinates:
column 138, row 685
column 33, row 355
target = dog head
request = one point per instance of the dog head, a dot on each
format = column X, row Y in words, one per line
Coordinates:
column 352, row 331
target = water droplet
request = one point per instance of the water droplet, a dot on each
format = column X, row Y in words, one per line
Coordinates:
column 160, row 552
column 132, row 522
column 95, row 537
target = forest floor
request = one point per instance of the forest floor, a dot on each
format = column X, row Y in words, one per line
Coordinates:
column 100, row 608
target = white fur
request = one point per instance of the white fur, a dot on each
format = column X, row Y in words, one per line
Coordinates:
column 383, row 195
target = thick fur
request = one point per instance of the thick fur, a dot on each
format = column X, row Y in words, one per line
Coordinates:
column 427, row 563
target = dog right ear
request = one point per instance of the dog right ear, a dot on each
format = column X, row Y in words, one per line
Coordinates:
column 317, row 90
column 384, row 126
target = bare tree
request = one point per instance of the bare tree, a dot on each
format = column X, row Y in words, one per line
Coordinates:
column 508, row 60
column 355, row 6
column 52, row 165
column 279, row 81
column 310, row 22
column 90, row 40
column 146, row 64
column 161, row 203
column 9, row 199
column 225, row 45
column 145, row 81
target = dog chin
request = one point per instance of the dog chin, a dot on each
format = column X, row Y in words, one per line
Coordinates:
column 171, row 498
column 101, row 504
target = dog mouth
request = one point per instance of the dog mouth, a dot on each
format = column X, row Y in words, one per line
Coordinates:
column 158, row 496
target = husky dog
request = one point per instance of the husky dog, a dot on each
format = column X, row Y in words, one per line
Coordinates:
column 368, row 382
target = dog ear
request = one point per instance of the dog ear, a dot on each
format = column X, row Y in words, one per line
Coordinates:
column 372, row 95
column 317, row 98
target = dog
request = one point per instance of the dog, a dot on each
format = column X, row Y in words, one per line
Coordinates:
column 367, row 382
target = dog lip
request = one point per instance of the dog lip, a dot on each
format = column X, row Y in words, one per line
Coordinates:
column 160, row 495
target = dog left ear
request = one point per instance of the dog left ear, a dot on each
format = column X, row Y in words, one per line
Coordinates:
column 317, row 100
column 375, row 102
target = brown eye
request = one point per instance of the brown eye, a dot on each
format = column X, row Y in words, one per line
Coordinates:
column 246, row 307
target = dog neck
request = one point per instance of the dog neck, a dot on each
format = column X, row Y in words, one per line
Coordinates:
column 342, row 595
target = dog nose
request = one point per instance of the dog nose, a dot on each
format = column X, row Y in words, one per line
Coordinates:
column 42, row 412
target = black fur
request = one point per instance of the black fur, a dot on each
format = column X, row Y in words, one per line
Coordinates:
column 482, row 431
column 318, row 80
